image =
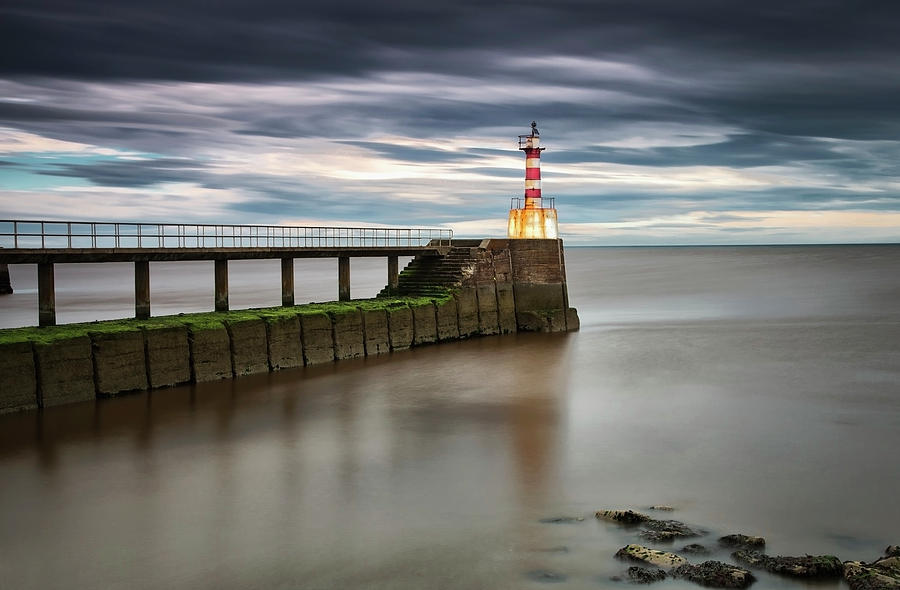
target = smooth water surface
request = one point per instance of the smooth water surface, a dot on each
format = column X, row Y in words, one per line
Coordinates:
column 755, row 389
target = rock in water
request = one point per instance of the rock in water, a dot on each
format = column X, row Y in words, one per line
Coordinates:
column 661, row 507
column 662, row 531
column 715, row 574
column 546, row 576
column 562, row 519
column 809, row 566
column 742, row 541
column 695, row 549
column 643, row 575
column 883, row 574
column 622, row 516
column 662, row 559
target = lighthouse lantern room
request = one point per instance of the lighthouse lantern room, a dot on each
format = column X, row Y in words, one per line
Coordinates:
column 534, row 216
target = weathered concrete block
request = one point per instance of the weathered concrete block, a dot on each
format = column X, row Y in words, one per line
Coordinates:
column 168, row 356
column 556, row 318
column 447, row 320
column 424, row 324
column 377, row 336
column 531, row 321
column 19, row 391
column 400, row 327
column 467, row 311
column 318, row 339
column 573, row 324
column 348, row 334
column 539, row 296
column 210, row 353
column 488, row 318
column 506, row 308
column 65, row 370
column 119, row 361
column 551, row 320
column 285, row 349
column 249, row 346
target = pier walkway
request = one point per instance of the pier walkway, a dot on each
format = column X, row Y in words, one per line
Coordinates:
column 46, row 243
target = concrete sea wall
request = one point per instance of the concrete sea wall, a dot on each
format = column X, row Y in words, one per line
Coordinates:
column 112, row 358
column 508, row 286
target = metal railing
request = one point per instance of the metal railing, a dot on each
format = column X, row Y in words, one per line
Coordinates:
column 541, row 202
column 111, row 235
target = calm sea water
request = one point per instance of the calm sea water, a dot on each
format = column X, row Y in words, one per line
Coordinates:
column 755, row 389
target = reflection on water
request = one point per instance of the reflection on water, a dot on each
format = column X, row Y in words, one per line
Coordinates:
column 432, row 467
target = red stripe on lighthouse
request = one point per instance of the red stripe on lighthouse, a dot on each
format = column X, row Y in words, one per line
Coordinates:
column 532, row 173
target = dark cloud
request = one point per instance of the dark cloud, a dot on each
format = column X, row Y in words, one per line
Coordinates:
column 410, row 153
column 138, row 173
column 229, row 39
column 740, row 151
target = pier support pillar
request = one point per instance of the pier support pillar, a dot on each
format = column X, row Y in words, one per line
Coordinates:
column 393, row 275
column 222, row 285
column 343, row 278
column 287, row 282
column 142, row 289
column 46, row 295
column 5, row 283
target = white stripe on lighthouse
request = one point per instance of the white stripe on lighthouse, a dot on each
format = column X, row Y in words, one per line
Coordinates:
column 533, row 184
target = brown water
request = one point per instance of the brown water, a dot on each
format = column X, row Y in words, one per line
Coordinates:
column 755, row 389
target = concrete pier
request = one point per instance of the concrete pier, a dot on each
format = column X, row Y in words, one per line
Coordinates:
column 46, row 295
column 142, row 289
column 479, row 288
column 221, row 279
column 344, row 278
column 393, row 278
column 287, row 282
column 5, row 283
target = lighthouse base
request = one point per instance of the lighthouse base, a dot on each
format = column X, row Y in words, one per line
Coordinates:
column 534, row 223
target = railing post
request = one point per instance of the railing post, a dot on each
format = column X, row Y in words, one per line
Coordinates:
column 221, row 273
column 46, row 295
column 343, row 278
column 393, row 275
column 287, row 282
column 142, row 289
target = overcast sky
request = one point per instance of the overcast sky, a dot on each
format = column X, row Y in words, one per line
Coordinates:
column 665, row 122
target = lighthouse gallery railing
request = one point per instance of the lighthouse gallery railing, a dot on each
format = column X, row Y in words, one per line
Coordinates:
column 114, row 235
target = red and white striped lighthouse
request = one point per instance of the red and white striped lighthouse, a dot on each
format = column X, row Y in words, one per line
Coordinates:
column 534, row 217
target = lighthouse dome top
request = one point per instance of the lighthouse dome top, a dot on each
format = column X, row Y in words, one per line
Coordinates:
column 531, row 141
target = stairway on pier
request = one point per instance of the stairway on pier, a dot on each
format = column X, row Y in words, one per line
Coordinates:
column 432, row 276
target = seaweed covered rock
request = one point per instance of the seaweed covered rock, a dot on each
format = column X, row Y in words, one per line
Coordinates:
column 662, row 559
column 742, row 541
column 622, row 516
column 664, row 531
column 808, row 566
column 644, row 575
column 715, row 574
column 881, row 575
